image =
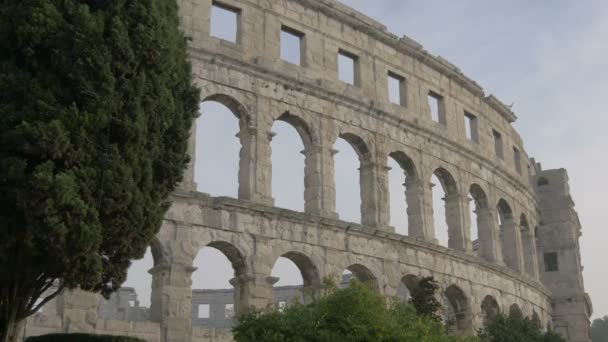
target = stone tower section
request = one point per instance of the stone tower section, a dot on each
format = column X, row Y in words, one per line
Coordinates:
column 559, row 255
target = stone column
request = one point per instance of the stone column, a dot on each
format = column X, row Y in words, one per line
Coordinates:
column 319, row 188
column 369, row 198
column 426, row 189
column 529, row 251
column 253, row 291
column 188, row 183
column 511, row 244
column 384, row 210
column 489, row 236
column 172, row 300
column 415, row 196
column 459, row 227
column 255, row 168
column 79, row 311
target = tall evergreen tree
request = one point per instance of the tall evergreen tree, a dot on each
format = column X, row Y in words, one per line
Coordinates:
column 96, row 104
column 599, row 330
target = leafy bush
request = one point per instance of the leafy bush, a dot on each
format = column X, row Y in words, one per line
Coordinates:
column 352, row 314
column 82, row 338
column 513, row 328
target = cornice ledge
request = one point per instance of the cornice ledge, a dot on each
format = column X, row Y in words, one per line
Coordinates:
column 501, row 108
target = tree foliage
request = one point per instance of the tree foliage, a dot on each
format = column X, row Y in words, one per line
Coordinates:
column 599, row 330
column 424, row 298
column 96, row 102
column 514, row 328
column 353, row 314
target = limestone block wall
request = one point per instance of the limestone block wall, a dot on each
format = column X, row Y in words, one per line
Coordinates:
column 505, row 272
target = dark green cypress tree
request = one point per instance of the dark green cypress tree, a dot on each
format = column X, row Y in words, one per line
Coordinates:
column 96, row 104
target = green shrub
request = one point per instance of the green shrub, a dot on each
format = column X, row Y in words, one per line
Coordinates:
column 82, row 338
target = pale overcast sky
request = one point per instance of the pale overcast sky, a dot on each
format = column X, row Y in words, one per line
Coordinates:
column 549, row 58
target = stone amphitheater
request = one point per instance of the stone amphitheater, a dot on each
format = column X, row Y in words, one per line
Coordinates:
column 441, row 123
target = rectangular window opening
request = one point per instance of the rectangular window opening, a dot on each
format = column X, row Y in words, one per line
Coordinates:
column 347, row 67
column 203, row 311
column 225, row 22
column 470, row 126
column 436, row 104
column 517, row 159
column 229, row 311
column 292, row 47
column 498, row 144
column 551, row 263
column 397, row 91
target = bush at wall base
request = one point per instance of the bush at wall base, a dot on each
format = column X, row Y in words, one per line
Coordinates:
column 82, row 338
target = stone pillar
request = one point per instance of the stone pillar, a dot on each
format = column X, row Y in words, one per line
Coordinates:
column 384, row 199
column 511, row 244
column 79, row 311
column 415, row 197
column 255, row 168
column 489, row 236
column 529, row 252
column 369, row 196
column 188, row 183
column 459, row 227
column 319, row 187
column 253, row 291
column 172, row 300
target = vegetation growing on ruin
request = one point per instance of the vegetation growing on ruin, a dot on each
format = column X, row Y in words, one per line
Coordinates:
column 599, row 330
column 96, row 104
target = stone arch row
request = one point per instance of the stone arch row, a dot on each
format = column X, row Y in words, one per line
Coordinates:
column 509, row 241
column 253, row 284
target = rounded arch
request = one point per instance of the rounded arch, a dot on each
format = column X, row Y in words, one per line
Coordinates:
column 358, row 144
column 504, row 210
column 407, row 286
column 159, row 253
column 234, row 255
column 364, row 275
column 489, row 308
column 301, row 126
column 236, row 107
column 407, row 164
column 515, row 311
column 479, row 196
column 308, row 269
column 523, row 222
column 457, row 315
column 447, row 181
column 536, row 320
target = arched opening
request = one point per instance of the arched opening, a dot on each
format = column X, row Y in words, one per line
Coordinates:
column 529, row 246
column 216, row 292
column 489, row 308
column 402, row 174
column 297, row 279
column 481, row 234
column 350, row 182
column 444, row 197
column 536, row 320
column 361, row 273
column 289, row 148
column 510, row 237
column 515, row 312
column 132, row 301
column 216, row 169
column 407, row 286
column 456, row 312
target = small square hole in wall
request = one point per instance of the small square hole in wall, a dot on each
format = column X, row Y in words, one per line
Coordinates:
column 225, row 22
column 229, row 311
column 203, row 311
column 396, row 89
column 347, row 67
column 131, row 303
column 470, row 127
column 291, row 45
column 436, row 104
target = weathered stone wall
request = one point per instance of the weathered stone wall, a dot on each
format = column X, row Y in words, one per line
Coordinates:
column 250, row 78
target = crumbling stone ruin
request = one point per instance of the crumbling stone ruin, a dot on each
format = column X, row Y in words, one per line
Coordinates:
column 441, row 123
